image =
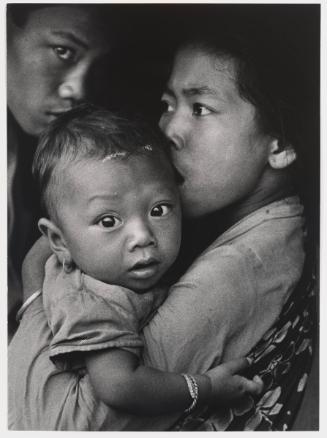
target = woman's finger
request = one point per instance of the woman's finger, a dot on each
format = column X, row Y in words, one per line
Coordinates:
column 235, row 366
column 254, row 386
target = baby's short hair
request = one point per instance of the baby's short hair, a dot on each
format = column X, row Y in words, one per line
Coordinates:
column 89, row 132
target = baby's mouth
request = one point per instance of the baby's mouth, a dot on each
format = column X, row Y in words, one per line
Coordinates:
column 144, row 268
column 146, row 263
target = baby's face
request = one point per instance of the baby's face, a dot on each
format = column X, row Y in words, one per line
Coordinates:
column 121, row 219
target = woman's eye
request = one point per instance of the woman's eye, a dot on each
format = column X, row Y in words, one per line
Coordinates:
column 200, row 110
column 64, row 53
column 161, row 210
column 167, row 107
column 109, row 222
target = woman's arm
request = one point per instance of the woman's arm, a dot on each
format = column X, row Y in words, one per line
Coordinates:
column 33, row 266
column 122, row 383
column 213, row 314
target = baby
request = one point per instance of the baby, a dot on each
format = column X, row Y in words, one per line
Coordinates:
column 113, row 220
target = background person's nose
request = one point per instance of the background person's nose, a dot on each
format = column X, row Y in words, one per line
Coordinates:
column 73, row 86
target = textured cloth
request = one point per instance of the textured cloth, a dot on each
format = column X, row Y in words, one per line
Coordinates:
column 283, row 359
column 232, row 294
column 225, row 303
column 85, row 314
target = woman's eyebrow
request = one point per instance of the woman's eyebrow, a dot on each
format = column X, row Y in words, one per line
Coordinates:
column 199, row 91
column 70, row 36
column 169, row 92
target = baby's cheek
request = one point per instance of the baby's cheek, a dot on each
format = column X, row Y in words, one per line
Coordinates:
column 108, row 270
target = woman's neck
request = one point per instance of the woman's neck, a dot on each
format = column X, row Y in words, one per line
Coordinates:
column 273, row 186
column 199, row 233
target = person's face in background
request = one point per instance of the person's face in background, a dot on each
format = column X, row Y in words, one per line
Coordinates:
column 48, row 61
column 217, row 145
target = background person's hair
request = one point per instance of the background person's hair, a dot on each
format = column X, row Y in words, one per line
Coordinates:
column 89, row 132
column 106, row 16
column 19, row 12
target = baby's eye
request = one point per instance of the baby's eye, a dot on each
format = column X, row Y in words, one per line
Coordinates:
column 200, row 110
column 109, row 222
column 161, row 210
column 64, row 53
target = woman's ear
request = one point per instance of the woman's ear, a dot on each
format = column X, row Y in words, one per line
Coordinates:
column 281, row 158
column 56, row 240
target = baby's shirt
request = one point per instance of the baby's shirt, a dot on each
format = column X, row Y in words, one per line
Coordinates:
column 217, row 311
column 85, row 314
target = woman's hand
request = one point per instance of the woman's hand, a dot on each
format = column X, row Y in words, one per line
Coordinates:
column 33, row 266
column 228, row 387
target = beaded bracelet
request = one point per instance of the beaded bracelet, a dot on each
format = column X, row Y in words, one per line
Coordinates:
column 27, row 303
column 193, row 390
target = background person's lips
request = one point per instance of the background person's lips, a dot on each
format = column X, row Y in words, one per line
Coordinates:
column 53, row 115
column 57, row 113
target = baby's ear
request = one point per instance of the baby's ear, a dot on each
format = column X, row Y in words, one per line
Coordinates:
column 56, row 240
column 281, row 158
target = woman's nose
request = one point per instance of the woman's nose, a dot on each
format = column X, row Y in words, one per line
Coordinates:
column 73, row 85
column 140, row 235
column 173, row 126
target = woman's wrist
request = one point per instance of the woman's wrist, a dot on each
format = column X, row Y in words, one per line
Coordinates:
column 199, row 388
column 205, row 389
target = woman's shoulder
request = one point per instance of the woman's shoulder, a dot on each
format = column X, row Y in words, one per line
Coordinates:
column 276, row 228
column 267, row 243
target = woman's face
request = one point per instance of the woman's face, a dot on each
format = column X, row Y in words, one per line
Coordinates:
column 217, row 145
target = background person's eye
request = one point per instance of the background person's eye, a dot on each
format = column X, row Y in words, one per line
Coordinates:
column 109, row 222
column 160, row 210
column 200, row 110
column 64, row 53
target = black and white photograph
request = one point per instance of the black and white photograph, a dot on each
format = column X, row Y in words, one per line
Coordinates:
column 163, row 225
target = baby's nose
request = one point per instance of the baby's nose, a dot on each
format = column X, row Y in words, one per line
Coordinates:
column 141, row 235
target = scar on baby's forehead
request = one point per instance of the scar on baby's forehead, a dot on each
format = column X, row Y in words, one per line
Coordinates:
column 114, row 155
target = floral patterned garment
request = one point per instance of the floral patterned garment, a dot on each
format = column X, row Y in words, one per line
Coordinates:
column 283, row 360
